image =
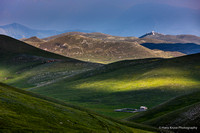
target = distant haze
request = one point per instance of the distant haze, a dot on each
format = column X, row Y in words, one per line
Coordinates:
column 116, row 17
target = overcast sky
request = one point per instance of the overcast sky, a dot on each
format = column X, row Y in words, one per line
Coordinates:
column 75, row 14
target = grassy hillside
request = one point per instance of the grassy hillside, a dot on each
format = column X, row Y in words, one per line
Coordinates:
column 102, row 48
column 179, row 111
column 22, row 111
column 129, row 84
column 25, row 66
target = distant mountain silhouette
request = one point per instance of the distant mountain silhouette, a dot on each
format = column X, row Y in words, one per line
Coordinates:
column 19, row 31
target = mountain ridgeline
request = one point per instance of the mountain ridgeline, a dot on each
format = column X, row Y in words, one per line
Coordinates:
column 101, row 48
column 173, row 38
column 19, row 31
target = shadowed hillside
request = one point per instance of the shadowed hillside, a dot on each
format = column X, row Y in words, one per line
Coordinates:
column 11, row 46
column 23, row 65
column 22, row 111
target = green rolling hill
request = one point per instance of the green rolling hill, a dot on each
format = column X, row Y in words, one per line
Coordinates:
column 22, row 111
column 25, row 66
column 128, row 84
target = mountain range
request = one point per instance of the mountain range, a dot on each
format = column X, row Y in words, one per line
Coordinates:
column 19, row 31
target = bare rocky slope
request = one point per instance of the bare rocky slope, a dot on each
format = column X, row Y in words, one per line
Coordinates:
column 99, row 47
column 32, row 39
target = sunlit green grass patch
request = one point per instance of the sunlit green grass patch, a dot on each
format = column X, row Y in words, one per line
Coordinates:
column 134, row 85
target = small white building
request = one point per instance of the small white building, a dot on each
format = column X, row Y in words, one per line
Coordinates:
column 130, row 110
column 153, row 32
column 143, row 108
